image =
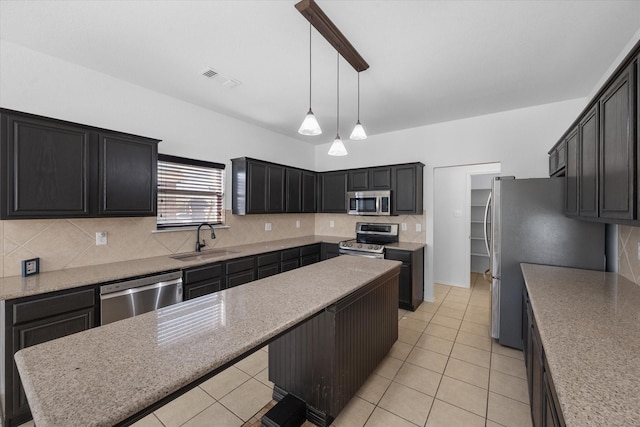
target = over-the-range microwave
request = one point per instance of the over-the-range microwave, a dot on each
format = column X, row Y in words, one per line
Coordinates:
column 369, row 202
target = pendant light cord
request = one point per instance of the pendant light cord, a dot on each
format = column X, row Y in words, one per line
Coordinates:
column 338, row 93
column 309, row 66
column 358, row 96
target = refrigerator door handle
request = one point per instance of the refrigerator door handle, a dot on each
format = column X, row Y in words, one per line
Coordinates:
column 486, row 223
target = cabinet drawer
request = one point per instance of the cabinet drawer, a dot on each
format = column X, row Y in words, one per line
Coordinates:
column 309, row 259
column 268, row 270
column 240, row 278
column 203, row 272
column 238, row 265
column 50, row 306
column 289, row 265
column 200, row 289
column 310, row 250
column 267, row 259
column 289, row 254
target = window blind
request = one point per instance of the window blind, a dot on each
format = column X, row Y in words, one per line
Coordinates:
column 190, row 192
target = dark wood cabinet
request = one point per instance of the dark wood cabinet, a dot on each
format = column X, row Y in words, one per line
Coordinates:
column 34, row 320
column 333, row 192
column 268, row 264
column 310, row 254
column 557, row 159
column 59, row 169
column 127, row 176
column 411, row 291
column 407, row 189
column 289, row 259
column 571, row 173
column 618, row 148
column 240, row 271
column 545, row 409
column 258, row 187
column 300, row 191
column 203, row 280
column 588, row 164
column 48, row 168
column 369, row 179
column 329, row 250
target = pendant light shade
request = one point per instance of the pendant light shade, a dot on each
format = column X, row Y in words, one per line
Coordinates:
column 338, row 148
column 358, row 132
column 310, row 125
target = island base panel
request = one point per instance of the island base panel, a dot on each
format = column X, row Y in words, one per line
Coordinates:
column 325, row 360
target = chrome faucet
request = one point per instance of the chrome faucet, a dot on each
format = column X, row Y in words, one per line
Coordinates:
column 199, row 245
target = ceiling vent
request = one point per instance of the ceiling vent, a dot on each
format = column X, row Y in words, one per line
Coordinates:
column 224, row 81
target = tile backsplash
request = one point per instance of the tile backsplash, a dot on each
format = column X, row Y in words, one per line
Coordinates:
column 68, row 243
column 628, row 263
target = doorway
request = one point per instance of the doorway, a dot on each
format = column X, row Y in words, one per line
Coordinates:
column 454, row 220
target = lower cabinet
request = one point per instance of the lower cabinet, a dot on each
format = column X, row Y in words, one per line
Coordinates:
column 268, row 264
column 289, row 259
column 545, row 409
column 240, row 271
column 310, row 254
column 34, row 320
column 329, row 250
column 202, row 280
column 411, row 292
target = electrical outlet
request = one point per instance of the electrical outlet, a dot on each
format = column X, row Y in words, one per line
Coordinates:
column 404, row 226
column 332, row 224
column 418, row 227
column 297, row 223
column 101, row 238
column 457, row 213
column 267, row 226
column 30, row 266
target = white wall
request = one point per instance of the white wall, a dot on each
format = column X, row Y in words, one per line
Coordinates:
column 452, row 192
column 518, row 139
column 45, row 85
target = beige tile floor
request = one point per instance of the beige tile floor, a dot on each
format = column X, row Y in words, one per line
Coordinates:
column 444, row 370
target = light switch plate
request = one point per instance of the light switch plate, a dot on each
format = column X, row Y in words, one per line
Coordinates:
column 297, row 223
column 30, row 267
column 404, row 226
column 418, row 227
column 267, row 226
column 332, row 224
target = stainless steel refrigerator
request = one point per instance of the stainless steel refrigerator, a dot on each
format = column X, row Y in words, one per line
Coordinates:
column 527, row 224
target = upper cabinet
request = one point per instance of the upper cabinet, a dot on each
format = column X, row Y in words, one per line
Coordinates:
column 258, row 187
column 406, row 189
column 58, row 169
column 557, row 159
column 300, row 191
column 601, row 152
column 373, row 179
column 332, row 192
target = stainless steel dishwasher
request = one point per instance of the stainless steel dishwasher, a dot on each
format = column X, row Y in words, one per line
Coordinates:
column 132, row 297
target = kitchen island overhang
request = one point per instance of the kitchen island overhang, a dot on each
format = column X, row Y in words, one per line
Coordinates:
column 115, row 374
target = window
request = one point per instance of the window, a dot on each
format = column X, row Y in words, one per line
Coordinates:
column 190, row 192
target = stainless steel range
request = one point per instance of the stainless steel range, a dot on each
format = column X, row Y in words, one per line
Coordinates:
column 370, row 239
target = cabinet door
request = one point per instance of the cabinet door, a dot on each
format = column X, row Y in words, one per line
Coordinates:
column 293, row 190
column 358, row 180
column 240, row 278
column 405, row 287
column 291, row 264
column 380, row 178
column 588, row 167
column 329, row 250
column 40, row 331
column 617, row 149
column 256, row 187
column 47, row 168
column 536, row 379
column 309, row 192
column 268, row 270
column 127, row 176
column 275, row 193
column 407, row 189
column 571, row 171
column 333, row 192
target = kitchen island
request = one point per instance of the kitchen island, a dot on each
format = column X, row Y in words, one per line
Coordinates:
column 589, row 331
column 115, row 374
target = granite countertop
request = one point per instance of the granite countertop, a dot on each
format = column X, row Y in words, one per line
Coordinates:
column 105, row 375
column 589, row 324
column 16, row 286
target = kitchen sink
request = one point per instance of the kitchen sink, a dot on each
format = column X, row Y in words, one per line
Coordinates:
column 204, row 255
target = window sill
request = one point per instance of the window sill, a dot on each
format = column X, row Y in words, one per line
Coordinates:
column 195, row 227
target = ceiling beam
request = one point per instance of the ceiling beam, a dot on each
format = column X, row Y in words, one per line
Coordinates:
column 310, row 10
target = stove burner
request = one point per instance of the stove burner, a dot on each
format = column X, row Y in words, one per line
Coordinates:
column 370, row 239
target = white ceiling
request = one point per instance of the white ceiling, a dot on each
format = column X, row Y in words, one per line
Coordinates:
column 430, row 61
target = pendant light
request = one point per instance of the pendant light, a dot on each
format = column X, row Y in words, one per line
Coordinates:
column 310, row 125
column 338, row 148
column 358, row 132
